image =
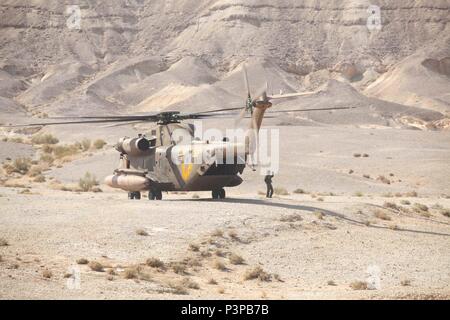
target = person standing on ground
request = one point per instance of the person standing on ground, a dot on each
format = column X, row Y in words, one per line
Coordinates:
column 268, row 181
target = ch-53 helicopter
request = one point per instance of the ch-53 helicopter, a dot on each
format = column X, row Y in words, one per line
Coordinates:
column 159, row 162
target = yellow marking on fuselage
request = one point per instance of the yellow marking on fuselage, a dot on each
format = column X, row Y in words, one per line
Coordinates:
column 186, row 170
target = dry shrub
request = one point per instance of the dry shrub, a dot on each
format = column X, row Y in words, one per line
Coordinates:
column 299, row 191
column 357, row 155
column 44, row 139
column 141, row 232
column 47, row 274
column 88, row 182
column 359, row 194
column 82, row 261
column 446, row 212
column 65, row 151
column 19, row 165
column 39, row 179
column 219, row 265
column 320, row 199
column 3, row 242
column 179, row 268
column 380, row 214
column 85, row 144
column 411, row 194
column 47, row 158
column 391, row 205
column 418, row 207
column 319, row 215
column 99, row 144
column 194, row 247
column 331, row 283
column 177, row 288
column 221, row 290
column 35, row 170
column 95, row 266
column 130, row 273
column 280, row 191
column 155, row 263
column 359, row 285
column 257, row 273
column 236, row 259
column 189, row 283
column 405, row 202
column 233, row 235
column 212, row 282
column 383, row 179
column 405, row 282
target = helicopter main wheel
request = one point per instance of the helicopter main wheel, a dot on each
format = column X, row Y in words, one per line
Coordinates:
column 218, row 194
column 155, row 195
column 134, row 195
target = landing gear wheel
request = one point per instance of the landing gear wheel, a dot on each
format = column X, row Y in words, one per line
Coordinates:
column 218, row 194
column 134, row 195
column 155, row 195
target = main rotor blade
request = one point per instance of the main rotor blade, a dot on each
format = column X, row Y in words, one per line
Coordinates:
column 291, row 95
column 74, row 122
column 108, row 117
column 247, row 85
column 309, row 110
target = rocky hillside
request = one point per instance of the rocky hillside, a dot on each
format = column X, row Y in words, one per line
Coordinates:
column 146, row 55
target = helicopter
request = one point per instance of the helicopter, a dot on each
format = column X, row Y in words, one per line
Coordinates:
column 163, row 160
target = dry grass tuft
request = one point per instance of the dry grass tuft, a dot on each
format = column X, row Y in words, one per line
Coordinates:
column 221, row 290
column 445, row 212
column 405, row 202
column 177, row 288
column 383, row 179
column 39, row 179
column 212, row 282
column 194, row 247
column 319, row 215
column 405, row 282
column 19, row 165
column 82, row 261
column 189, row 283
column 95, row 266
column 380, row 214
column 141, row 232
column 217, row 233
column 99, row 144
column 155, row 263
column 359, row 194
column 257, row 273
column 391, row 205
column 3, row 242
column 219, row 265
column 47, row 274
column 299, row 191
column 179, row 268
column 331, row 283
column 236, row 259
column 44, row 139
column 359, row 285
column 411, row 194
column 88, row 182
column 130, row 273
column 419, row 208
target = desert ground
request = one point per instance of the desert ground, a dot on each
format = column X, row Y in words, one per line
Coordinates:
column 343, row 230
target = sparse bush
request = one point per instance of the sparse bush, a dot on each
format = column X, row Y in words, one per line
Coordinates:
column 155, row 263
column 39, row 179
column 280, row 191
column 47, row 274
column 95, row 266
column 177, row 288
column 405, row 202
column 359, row 285
column 99, row 144
column 257, row 273
column 44, row 139
column 236, row 259
column 141, row 232
column 87, row 182
column 380, row 214
column 82, row 261
column 233, row 235
column 359, row 194
column 19, row 165
column 331, row 283
column 46, row 148
column 383, row 179
column 217, row 233
column 320, row 199
column 357, row 155
column 212, row 281
column 35, row 171
column 411, row 194
column 299, row 191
